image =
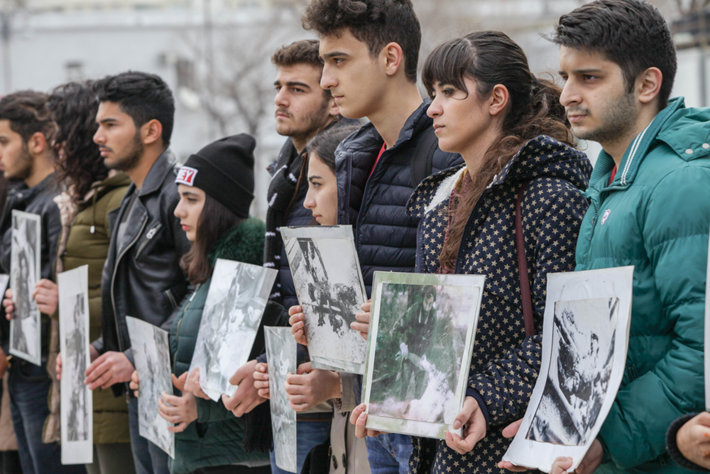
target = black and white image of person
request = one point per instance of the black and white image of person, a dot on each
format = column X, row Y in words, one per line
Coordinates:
column 584, row 332
column 152, row 357
column 25, row 325
column 281, row 354
column 418, row 354
column 329, row 289
column 235, row 303
column 78, row 424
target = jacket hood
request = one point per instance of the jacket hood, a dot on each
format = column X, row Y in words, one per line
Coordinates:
column 243, row 243
column 540, row 157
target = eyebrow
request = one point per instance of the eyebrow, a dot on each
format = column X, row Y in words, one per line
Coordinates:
column 188, row 193
column 314, row 176
column 293, row 84
column 334, row 53
column 107, row 119
column 582, row 71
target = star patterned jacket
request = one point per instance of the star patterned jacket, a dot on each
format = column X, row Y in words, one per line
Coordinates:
column 505, row 363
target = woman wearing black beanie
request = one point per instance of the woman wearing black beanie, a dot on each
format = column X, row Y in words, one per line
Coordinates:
column 216, row 187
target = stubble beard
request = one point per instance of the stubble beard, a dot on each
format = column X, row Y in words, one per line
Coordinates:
column 23, row 166
column 312, row 123
column 132, row 156
column 616, row 120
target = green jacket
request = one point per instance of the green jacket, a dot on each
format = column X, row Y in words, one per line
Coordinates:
column 655, row 215
column 87, row 244
column 216, row 437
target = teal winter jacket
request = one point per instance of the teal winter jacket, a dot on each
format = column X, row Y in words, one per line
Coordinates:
column 655, row 215
column 216, row 437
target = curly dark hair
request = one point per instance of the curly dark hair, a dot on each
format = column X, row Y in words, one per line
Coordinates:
column 73, row 106
column 491, row 58
column 27, row 113
column 141, row 95
column 631, row 33
column 374, row 22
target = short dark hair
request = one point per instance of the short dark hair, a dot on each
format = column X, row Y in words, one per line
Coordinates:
column 374, row 22
column 631, row 33
column 73, row 107
column 298, row 52
column 141, row 95
column 28, row 113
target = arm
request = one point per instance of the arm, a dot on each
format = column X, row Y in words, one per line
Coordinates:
column 503, row 387
column 674, row 234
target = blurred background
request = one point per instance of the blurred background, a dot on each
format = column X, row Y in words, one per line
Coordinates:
column 215, row 54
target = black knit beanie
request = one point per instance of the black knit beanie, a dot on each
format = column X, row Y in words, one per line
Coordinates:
column 225, row 170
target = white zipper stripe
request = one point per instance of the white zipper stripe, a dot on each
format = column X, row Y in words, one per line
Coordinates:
column 634, row 148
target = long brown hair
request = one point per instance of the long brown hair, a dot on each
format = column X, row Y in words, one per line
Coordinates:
column 490, row 58
column 214, row 222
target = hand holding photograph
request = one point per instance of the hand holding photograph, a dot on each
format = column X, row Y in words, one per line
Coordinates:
column 585, row 339
column 76, row 408
column 281, row 354
column 234, row 306
column 422, row 330
column 151, row 354
column 25, row 326
column 326, row 274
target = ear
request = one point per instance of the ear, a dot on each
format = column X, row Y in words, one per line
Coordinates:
column 392, row 58
column 37, row 144
column 333, row 109
column 648, row 84
column 498, row 100
column 152, row 132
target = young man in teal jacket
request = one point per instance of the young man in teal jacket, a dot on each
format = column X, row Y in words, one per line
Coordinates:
column 649, row 207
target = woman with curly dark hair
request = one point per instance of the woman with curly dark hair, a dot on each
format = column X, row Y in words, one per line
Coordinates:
column 92, row 191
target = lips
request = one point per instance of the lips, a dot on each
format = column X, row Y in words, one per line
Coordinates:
column 282, row 114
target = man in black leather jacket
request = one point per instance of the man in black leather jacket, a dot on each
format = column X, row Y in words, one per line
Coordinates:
column 142, row 275
column 26, row 129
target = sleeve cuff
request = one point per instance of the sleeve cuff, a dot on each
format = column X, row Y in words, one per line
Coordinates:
column 470, row 392
column 672, row 446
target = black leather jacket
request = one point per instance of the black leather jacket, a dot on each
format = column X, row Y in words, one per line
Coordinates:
column 39, row 200
column 143, row 278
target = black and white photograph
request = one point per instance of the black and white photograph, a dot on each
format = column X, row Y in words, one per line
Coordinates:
column 76, row 407
column 234, row 306
column 281, row 354
column 151, row 353
column 328, row 281
column 582, row 358
column 421, row 331
column 25, row 326
column 585, row 339
column 4, row 280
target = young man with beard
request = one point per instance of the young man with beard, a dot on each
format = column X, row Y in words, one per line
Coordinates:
column 649, row 207
column 370, row 51
column 141, row 276
column 26, row 129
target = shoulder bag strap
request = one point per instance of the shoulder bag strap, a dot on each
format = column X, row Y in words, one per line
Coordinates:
column 525, row 295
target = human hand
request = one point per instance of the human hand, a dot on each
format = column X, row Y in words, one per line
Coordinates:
column 358, row 417
column 191, row 384
column 309, row 387
column 135, row 383
column 108, row 369
column 246, row 397
column 474, row 426
column 261, row 380
column 362, row 320
column 297, row 320
column 178, row 410
column 693, row 440
column 8, row 304
column 46, row 295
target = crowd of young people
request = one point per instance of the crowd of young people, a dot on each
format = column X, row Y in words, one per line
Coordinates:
column 483, row 170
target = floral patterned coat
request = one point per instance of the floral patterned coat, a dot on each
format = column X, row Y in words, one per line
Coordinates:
column 505, row 363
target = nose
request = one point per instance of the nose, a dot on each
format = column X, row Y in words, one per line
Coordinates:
column 309, row 202
column 569, row 94
column 280, row 98
column 178, row 212
column 434, row 109
column 98, row 136
column 327, row 78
